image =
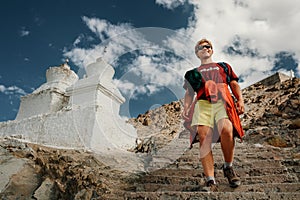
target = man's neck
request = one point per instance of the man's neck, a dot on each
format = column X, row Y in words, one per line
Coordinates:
column 206, row 61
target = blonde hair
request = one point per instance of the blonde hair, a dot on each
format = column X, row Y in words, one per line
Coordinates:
column 204, row 40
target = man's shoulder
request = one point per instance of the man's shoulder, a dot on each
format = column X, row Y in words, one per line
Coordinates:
column 192, row 74
column 223, row 64
column 192, row 71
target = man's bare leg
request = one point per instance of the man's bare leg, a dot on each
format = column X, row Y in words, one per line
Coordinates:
column 227, row 140
column 206, row 156
column 227, row 144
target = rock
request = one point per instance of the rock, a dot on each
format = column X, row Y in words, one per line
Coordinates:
column 24, row 182
column 9, row 166
column 84, row 194
column 295, row 124
column 277, row 141
column 46, row 190
column 146, row 121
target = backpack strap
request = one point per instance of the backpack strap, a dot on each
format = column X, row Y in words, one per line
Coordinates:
column 226, row 70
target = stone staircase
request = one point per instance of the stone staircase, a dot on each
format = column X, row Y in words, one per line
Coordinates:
column 266, row 173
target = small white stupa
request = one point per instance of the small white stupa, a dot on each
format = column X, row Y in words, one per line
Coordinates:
column 69, row 112
column 49, row 97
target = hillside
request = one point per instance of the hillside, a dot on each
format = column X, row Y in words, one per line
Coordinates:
column 272, row 116
column 267, row 160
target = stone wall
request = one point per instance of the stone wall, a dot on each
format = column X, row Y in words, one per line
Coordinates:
column 275, row 78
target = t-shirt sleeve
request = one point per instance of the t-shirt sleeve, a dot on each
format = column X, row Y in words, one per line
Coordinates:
column 231, row 74
column 187, row 85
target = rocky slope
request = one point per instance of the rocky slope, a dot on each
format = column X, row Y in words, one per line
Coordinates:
column 267, row 160
column 273, row 114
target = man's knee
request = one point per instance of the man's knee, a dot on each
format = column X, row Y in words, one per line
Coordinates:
column 204, row 132
column 225, row 128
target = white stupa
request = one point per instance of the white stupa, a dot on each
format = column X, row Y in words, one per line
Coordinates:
column 69, row 112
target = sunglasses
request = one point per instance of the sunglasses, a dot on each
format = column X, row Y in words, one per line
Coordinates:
column 200, row 47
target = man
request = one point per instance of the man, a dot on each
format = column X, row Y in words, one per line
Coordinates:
column 214, row 111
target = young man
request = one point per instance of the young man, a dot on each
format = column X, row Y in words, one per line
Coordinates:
column 214, row 111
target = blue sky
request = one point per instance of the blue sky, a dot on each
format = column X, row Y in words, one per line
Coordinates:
column 149, row 43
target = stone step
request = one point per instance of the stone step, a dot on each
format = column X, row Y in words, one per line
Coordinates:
column 163, row 163
column 176, row 173
column 238, row 156
column 255, row 153
column 217, row 157
column 240, row 171
column 206, row 195
column 247, row 163
column 279, row 178
column 259, row 187
column 239, row 147
column 251, row 151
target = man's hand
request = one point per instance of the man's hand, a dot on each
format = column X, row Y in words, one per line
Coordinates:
column 185, row 114
column 235, row 88
column 240, row 107
column 188, row 99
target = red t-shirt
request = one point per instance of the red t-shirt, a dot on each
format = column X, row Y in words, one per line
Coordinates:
column 195, row 79
column 216, row 73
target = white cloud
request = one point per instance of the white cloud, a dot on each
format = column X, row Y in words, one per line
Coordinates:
column 24, row 32
column 2, row 88
column 132, row 91
column 259, row 26
column 258, row 29
column 77, row 40
column 170, row 4
column 152, row 68
column 12, row 90
column 116, row 40
column 267, row 27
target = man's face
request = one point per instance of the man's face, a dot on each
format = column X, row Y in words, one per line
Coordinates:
column 204, row 50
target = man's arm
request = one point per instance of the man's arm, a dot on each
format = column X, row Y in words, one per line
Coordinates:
column 235, row 88
column 188, row 99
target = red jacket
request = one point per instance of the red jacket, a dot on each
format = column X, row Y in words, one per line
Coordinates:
column 212, row 91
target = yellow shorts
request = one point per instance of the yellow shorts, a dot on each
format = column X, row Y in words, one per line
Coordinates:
column 208, row 114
